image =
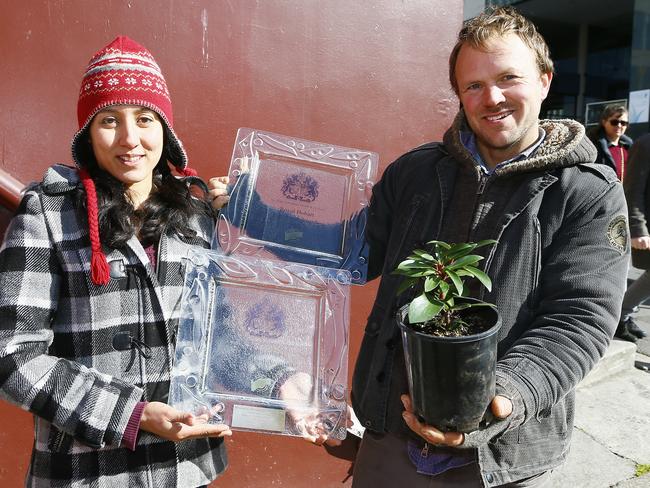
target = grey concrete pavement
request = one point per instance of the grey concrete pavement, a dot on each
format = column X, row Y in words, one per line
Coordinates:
column 611, row 436
column 612, row 432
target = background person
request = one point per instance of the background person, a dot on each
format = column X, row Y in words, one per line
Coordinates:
column 558, row 269
column 637, row 193
column 610, row 139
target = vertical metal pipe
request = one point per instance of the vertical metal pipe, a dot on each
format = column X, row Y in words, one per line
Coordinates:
column 10, row 190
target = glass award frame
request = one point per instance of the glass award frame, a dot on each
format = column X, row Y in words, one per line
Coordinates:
column 297, row 200
column 262, row 345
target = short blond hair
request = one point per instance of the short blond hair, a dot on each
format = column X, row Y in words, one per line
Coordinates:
column 499, row 22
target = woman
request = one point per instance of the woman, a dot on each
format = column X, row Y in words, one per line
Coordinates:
column 90, row 279
column 610, row 139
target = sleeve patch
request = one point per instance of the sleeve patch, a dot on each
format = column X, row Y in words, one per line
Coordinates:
column 618, row 234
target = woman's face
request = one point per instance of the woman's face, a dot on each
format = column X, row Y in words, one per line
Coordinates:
column 127, row 141
column 615, row 126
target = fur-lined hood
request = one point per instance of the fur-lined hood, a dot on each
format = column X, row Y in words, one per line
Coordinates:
column 565, row 144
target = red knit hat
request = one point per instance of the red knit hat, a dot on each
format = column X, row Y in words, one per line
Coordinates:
column 122, row 73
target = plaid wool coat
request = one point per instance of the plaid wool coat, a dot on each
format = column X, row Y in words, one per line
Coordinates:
column 59, row 358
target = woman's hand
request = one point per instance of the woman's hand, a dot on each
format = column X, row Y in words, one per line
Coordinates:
column 218, row 191
column 171, row 424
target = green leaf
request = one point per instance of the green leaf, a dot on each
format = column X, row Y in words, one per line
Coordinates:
column 406, row 284
column 481, row 276
column 465, row 261
column 421, row 309
column 423, row 254
column 442, row 244
column 409, row 265
column 421, row 274
column 444, row 287
column 406, row 264
column 458, row 283
column 486, row 242
column 432, row 282
column 458, row 250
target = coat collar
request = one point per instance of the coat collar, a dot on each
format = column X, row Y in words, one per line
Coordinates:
column 565, row 145
column 59, row 179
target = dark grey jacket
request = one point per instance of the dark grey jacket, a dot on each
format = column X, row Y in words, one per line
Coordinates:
column 559, row 273
column 637, row 192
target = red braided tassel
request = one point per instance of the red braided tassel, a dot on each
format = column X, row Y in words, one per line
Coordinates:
column 188, row 171
column 99, row 269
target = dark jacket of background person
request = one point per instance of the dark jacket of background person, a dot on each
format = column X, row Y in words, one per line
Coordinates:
column 597, row 136
column 558, row 272
column 637, row 193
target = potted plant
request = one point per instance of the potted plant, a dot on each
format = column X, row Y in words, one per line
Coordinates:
column 450, row 340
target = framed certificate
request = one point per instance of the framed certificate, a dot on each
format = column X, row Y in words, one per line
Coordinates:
column 297, row 200
column 263, row 345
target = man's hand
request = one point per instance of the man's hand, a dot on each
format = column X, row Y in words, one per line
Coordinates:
column 641, row 242
column 501, row 408
column 218, row 191
column 296, row 391
column 171, row 424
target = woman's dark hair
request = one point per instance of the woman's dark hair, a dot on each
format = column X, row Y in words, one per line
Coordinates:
column 171, row 205
column 610, row 110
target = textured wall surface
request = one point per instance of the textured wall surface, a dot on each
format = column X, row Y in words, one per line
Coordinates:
column 371, row 75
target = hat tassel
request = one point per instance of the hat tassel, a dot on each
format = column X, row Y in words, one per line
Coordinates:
column 99, row 268
column 187, row 171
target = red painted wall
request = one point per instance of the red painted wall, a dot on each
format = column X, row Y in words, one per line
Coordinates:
column 370, row 75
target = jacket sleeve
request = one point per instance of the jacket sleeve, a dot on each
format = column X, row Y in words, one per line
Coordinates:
column 92, row 407
column 581, row 287
column 636, row 182
column 380, row 219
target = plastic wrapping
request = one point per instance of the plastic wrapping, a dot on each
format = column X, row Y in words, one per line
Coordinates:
column 263, row 345
column 297, row 200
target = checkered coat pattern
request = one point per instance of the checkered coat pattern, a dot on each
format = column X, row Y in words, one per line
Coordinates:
column 58, row 358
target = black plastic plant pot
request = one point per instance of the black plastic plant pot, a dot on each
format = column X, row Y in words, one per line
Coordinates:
column 451, row 379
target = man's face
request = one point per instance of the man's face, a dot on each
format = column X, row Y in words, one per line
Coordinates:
column 501, row 90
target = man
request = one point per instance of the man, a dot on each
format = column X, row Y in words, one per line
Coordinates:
column 558, row 270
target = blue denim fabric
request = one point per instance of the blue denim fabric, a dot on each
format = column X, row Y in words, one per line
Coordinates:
column 430, row 462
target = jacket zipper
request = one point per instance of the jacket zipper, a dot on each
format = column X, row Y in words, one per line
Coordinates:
column 58, row 440
column 425, row 450
column 415, row 205
column 482, row 183
column 536, row 264
column 483, row 178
